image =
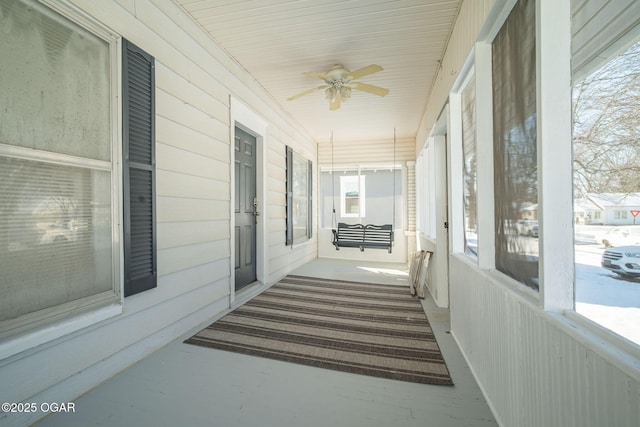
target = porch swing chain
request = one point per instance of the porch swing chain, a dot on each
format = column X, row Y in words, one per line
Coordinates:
column 393, row 220
column 334, row 222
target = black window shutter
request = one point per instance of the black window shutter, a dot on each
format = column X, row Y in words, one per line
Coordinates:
column 138, row 124
column 289, row 157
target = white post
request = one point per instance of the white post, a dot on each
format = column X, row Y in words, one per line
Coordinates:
column 555, row 192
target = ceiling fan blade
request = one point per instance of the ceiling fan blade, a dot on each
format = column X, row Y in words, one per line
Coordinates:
column 376, row 90
column 335, row 102
column 365, row 71
column 321, row 76
column 306, row 92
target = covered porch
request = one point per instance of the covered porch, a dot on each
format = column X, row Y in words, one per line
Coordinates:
column 183, row 384
column 163, row 162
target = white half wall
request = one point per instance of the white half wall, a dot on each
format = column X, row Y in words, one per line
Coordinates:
column 537, row 368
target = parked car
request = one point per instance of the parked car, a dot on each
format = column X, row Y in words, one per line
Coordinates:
column 622, row 260
column 528, row 228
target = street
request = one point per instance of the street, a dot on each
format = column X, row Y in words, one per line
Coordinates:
column 605, row 297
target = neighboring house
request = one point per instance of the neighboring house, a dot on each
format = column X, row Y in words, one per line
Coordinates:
column 611, row 208
column 586, row 212
column 529, row 211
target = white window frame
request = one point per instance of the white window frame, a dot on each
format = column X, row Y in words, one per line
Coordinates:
column 456, row 154
column 557, row 268
column 34, row 329
column 554, row 179
column 303, row 163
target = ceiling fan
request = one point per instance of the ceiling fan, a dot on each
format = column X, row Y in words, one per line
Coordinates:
column 339, row 82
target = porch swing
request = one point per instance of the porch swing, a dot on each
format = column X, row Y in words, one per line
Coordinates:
column 359, row 235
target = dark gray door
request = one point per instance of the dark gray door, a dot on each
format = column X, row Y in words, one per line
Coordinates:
column 245, row 208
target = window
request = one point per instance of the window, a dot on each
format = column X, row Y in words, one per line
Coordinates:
column 515, row 149
column 427, row 195
column 352, row 196
column 620, row 214
column 606, row 164
column 299, row 205
column 470, row 171
column 57, row 167
column 366, row 195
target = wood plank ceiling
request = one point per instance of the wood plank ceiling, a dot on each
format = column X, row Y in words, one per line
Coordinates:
column 277, row 40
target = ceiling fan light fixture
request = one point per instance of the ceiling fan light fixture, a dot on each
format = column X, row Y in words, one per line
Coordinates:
column 330, row 93
column 345, row 92
column 339, row 82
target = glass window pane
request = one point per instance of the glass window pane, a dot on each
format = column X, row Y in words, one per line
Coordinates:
column 55, row 235
column 470, row 171
column 328, row 198
column 515, row 149
column 381, row 196
column 54, row 80
column 606, row 164
column 300, row 198
column 352, row 193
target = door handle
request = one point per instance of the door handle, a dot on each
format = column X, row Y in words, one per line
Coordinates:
column 255, row 207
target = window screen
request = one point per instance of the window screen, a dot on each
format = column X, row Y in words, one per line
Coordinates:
column 515, row 148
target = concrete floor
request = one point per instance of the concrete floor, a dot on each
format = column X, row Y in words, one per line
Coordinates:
column 189, row 386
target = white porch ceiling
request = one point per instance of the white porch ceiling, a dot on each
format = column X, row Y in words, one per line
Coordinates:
column 277, row 40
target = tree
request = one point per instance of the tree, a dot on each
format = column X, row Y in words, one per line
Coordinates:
column 606, row 129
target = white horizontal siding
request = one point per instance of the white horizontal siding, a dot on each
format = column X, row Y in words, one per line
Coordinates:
column 176, row 209
column 175, row 134
column 188, row 163
column 191, row 93
column 176, row 184
column 169, row 106
column 363, row 152
column 173, row 234
column 181, row 258
column 296, row 256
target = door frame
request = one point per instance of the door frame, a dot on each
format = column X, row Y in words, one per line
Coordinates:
column 247, row 120
column 435, row 236
column 441, row 138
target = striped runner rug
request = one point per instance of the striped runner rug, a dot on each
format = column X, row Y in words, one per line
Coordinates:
column 362, row 328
